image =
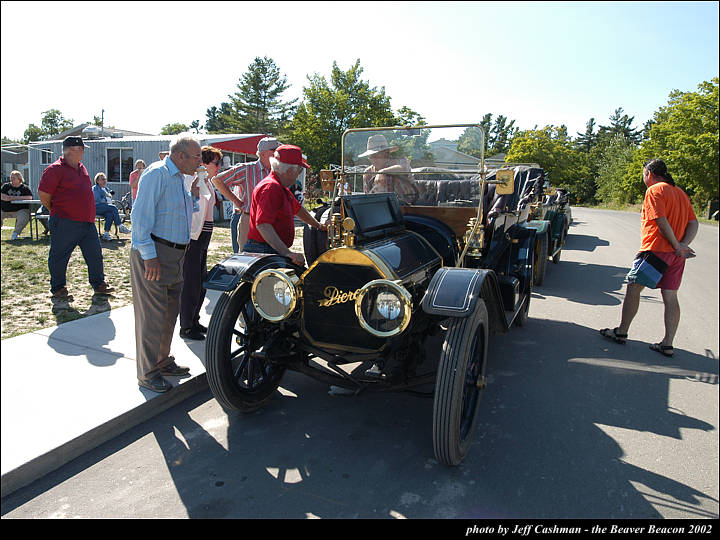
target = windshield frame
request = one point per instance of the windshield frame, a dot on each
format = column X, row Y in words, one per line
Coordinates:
column 480, row 170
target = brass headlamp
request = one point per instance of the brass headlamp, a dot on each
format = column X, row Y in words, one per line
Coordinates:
column 383, row 307
column 275, row 294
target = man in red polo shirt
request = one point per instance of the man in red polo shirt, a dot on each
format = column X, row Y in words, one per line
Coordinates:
column 66, row 191
column 273, row 207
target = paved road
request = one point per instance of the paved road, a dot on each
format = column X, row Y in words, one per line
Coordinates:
column 572, row 426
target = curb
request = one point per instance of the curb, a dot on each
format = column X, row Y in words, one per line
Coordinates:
column 56, row 458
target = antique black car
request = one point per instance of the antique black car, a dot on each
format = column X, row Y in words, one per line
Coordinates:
column 528, row 194
column 551, row 214
column 410, row 255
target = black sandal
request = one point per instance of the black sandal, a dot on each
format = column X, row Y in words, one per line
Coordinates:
column 612, row 333
column 665, row 350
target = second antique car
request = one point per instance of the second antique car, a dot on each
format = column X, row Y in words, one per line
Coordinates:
column 409, row 254
column 552, row 210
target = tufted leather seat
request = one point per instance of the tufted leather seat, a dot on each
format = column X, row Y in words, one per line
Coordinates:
column 437, row 192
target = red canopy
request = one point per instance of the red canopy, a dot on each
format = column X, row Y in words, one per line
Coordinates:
column 244, row 144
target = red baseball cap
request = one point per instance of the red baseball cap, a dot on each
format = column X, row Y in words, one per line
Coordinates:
column 290, row 154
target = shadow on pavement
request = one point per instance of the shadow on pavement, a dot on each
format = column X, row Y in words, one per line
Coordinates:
column 64, row 338
column 591, row 284
column 583, row 242
column 371, row 456
column 538, row 452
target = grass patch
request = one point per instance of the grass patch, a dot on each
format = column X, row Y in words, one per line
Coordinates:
column 622, row 207
column 25, row 294
column 637, row 208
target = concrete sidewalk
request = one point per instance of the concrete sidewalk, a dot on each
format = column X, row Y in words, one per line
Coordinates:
column 69, row 388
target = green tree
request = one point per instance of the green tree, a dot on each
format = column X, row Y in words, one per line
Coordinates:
column 501, row 135
column 470, row 142
column 684, row 134
column 587, row 141
column 646, row 130
column 173, row 129
column 33, row 133
column 407, row 117
column 257, row 106
column 595, row 148
column 215, row 119
column 195, row 125
column 486, row 125
column 52, row 123
column 620, row 124
column 551, row 148
column 612, row 181
column 330, row 107
column 498, row 136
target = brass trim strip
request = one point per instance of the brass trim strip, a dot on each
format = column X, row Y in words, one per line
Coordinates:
column 352, row 256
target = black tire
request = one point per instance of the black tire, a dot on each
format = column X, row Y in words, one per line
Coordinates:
column 561, row 243
column 523, row 315
column 238, row 380
column 459, row 385
column 541, row 259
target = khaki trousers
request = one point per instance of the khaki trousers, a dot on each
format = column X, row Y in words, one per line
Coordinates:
column 22, row 217
column 156, row 305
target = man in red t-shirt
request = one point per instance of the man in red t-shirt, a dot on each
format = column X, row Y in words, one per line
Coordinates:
column 65, row 189
column 667, row 216
column 273, row 207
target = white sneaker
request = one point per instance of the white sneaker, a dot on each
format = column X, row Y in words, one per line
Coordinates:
column 14, row 236
column 123, row 229
column 106, row 236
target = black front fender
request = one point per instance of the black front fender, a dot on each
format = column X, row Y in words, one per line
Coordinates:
column 454, row 292
column 227, row 275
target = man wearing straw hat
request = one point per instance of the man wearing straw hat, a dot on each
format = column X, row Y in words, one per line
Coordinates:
column 380, row 176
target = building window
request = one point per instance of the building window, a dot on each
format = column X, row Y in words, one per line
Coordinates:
column 119, row 164
column 241, row 158
column 46, row 157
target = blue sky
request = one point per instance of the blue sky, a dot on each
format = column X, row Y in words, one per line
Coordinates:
column 153, row 63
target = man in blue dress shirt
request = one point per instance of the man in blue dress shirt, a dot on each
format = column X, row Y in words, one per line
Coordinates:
column 161, row 218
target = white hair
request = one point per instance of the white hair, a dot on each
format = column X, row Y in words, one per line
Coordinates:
column 283, row 168
column 181, row 141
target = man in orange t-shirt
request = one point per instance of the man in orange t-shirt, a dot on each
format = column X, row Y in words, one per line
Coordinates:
column 666, row 216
